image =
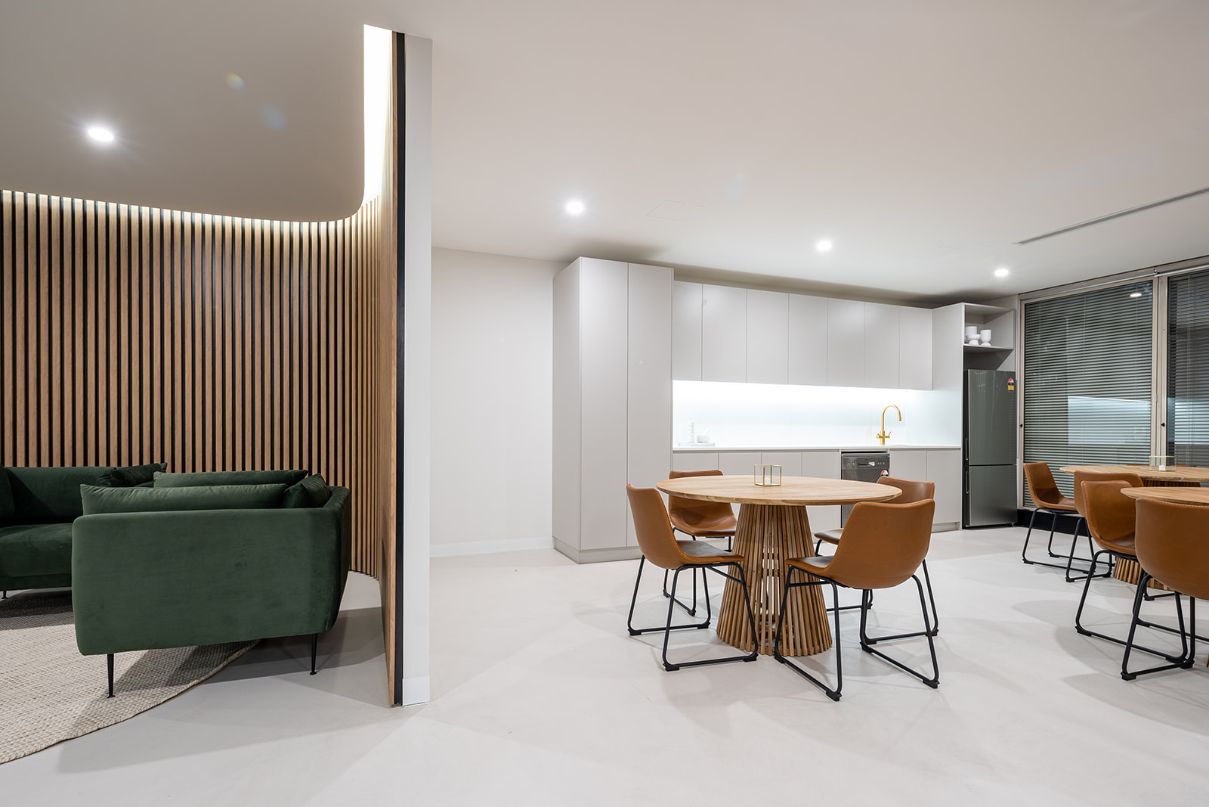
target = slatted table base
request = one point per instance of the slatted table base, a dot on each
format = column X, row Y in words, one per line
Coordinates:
column 767, row 536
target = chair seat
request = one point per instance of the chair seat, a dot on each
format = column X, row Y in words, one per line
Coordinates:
column 1125, row 547
column 829, row 536
column 1064, row 505
column 701, row 553
column 721, row 526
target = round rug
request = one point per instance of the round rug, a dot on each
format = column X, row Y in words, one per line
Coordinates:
column 52, row 693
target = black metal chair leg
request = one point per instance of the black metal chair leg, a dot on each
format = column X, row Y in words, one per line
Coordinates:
column 1027, row 536
column 314, row 650
column 834, row 694
column 1085, row 632
column 667, row 630
column 1187, row 649
column 867, row 642
column 634, row 600
column 109, row 668
column 1093, row 565
column 693, row 610
column 935, row 628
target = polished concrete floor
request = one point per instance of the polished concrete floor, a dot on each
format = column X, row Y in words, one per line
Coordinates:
column 542, row 699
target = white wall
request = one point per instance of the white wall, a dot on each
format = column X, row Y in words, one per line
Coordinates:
column 492, row 387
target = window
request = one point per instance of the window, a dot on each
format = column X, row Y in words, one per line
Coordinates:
column 1088, row 379
column 1188, row 369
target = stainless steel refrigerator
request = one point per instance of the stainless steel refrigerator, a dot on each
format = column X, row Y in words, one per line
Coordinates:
column 989, row 448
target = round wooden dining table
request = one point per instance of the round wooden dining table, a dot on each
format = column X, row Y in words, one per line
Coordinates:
column 1197, row 495
column 1172, row 478
column 773, row 528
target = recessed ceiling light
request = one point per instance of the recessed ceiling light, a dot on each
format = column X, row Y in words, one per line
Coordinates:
column 823, row 245
column 1135, row 294
column 100, row 134
column 575, row 207
column 1002, row 272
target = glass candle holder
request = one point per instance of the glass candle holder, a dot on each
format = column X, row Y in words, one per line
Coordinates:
column 766, row 476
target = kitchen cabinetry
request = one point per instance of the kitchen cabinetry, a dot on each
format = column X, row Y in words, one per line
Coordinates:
column 914, row 348
column 908, row 464
column 767, row 337
column 723, row 333
column 845, row 343
column 612, row 400
column 944, row 468
column 824, row 464
column 807, row 340
column 686, row 331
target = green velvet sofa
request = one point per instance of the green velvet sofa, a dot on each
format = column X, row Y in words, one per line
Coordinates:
column 148, row 580
column 37, row 507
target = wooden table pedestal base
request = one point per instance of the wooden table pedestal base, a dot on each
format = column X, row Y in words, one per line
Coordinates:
column 767, row 536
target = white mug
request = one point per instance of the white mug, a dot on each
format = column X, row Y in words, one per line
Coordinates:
column 986, row 336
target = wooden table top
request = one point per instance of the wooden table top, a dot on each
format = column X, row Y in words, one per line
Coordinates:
column 1174, row 473
column 793, row 490
column 1181, row 495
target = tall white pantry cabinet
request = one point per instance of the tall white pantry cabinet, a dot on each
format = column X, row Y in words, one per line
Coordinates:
column 612, row 400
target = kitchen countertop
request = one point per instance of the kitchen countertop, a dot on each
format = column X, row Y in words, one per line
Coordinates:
column 875, row 447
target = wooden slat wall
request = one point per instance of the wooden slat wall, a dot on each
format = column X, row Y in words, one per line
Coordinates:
column 133, row 334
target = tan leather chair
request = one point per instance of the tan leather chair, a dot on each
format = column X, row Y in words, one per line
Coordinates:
column 659, row 546
column 883, row 545
column 1172, row 545
column 912, row 492
column 1047, row 498
column 699, row 520
column 1082, row 477
column 1111, row 521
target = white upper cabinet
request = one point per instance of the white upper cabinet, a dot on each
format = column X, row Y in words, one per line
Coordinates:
column 767, row 337
column 807, row 340
column 686, row 331
column 915, row 348
column 881, row 345
column 845, row 343
column 723, row 333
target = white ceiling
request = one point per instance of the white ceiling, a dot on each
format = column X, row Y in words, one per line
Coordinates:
column 924, row 138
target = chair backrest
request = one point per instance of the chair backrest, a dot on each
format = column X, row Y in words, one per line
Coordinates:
column 883, row 544
column 1109, row 512
column 911, row 491
column 1173, row 545
column 1041, row 484
column 1100, row 476
column 694, row 510
column 654, row 529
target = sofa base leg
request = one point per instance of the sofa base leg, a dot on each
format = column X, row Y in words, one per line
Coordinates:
column 109, row 665
column 314, row 650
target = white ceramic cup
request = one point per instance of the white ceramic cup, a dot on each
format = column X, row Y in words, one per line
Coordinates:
column 985, row 335
column 971, row 332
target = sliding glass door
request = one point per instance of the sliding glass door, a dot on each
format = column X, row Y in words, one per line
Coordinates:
column 1088, row 378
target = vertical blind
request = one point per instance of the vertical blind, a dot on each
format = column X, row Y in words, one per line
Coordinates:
column 1088, row 379
column 1188, row 369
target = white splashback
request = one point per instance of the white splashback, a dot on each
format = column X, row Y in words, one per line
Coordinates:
column 772, row 415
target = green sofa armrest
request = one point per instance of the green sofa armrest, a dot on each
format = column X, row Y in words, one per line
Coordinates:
column 142, row 581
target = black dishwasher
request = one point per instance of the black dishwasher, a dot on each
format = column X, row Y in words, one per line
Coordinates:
column 862, row 466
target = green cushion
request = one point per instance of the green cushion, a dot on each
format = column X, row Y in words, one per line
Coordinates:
column 6, row 498
column 34, row 550
column 204, row 497
column 310, row 492
column 50, row 495
column 187, row 480
column 132, row 475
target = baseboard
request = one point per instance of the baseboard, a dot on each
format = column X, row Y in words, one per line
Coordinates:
column 416, row 691
column 597, row 555
column 489, row 547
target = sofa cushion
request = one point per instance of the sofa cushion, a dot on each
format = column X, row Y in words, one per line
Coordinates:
column 50, row 495
column 203, row 497
column 32, row 550
column 185, row 480
column 310, row 492
column 132, row 475
column 6, row 498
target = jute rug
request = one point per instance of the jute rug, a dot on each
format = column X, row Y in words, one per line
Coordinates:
column 51, row 693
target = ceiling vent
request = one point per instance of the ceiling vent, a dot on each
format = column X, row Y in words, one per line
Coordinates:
column 1119, row 214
